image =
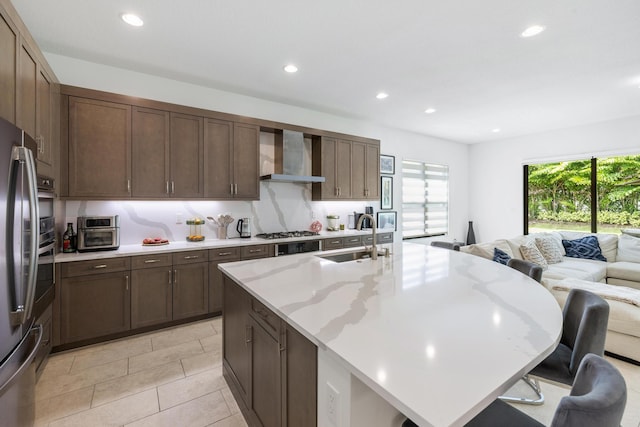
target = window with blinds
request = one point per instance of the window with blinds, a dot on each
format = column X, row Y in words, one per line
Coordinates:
column 425, row 199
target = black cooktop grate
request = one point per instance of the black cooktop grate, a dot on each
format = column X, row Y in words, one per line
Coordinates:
column 286, row 234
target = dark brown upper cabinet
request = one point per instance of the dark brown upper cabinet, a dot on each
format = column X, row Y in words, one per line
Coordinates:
column 99, row 149
column 150, row 153
column 232, row 153
column 9, row 37
column 350, row 169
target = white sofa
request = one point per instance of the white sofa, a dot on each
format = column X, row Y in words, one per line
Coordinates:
column 618, row 275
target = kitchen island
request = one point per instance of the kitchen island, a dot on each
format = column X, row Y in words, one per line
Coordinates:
column 434, row 334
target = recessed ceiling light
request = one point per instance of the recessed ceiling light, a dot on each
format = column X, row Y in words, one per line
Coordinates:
column 495, row 130
column 533, row 30
column 382, row 95
column 290, row 68
column 132, row 19
column 430, row 110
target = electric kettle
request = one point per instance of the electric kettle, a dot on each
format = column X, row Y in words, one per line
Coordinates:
column 244, row 228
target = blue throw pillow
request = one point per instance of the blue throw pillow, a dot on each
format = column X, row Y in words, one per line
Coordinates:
column 500, row 256
column 586, row 248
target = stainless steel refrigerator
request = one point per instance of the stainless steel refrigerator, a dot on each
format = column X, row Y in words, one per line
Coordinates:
column 19, row 230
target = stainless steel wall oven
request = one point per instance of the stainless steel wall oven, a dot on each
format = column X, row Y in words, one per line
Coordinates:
column 45, row 278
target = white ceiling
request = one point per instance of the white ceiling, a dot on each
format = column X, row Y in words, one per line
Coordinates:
column 464, row 58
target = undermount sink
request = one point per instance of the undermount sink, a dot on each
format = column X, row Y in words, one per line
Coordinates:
column 346, row 256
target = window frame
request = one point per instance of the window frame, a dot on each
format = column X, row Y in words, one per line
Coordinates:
column 425, row 166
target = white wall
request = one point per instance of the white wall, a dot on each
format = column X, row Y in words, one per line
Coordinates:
column 496, row 188
column 402, row 144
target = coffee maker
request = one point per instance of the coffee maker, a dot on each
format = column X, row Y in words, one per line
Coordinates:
column 244, row 228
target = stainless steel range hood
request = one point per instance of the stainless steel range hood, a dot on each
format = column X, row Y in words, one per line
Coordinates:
column 292, row 159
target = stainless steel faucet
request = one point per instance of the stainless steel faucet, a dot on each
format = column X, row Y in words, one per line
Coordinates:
column 374, row 248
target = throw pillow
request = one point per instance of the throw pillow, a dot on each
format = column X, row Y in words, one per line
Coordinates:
column 628, row 248
column 500, row 256
column 476, row 250
column 531, row 253
column 585, row 248
column 550, row 248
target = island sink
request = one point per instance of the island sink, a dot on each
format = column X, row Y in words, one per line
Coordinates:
column 346, row 256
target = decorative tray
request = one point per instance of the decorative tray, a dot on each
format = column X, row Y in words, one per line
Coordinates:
column 155, row 244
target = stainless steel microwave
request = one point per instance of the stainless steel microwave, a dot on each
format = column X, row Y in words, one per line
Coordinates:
column 98, row 233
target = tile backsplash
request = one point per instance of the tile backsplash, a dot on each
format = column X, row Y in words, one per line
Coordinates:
column 282, row 206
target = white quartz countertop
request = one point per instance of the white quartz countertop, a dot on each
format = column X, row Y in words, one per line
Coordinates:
column 438, row 334
column 178, row 246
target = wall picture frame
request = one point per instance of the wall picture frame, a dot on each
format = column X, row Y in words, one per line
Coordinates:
column 388, row 221
column 386, row 192
column 387, row 164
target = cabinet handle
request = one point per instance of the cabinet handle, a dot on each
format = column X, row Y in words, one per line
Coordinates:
column 169, row 277
column 97, row 267
column 191, row 257
column 251, row 251
column 151, row 261
column 247, row 334
column 175, row 276
column 283, row 340
column 128, row 186
column 167, row 186
column 127, row 282
column 262, row 313
column 231, row 188
column 335, row 242
column 235, row 189
column 224, row 253
column 173, row 187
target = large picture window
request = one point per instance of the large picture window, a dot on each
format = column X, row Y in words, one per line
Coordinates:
column 596, row 195
column 425, row 199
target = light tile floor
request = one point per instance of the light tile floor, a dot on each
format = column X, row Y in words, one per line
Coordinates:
column 173, row 377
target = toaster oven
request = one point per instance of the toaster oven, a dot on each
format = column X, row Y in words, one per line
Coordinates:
column 98, row 233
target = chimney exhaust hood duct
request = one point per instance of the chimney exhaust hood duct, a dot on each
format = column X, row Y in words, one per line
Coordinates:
column 292, row 162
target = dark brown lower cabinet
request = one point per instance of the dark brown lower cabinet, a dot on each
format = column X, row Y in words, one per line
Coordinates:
column 272, row 368
column 300, row 378
column 236, row 338
column 266, row 398
column 151, row 296
column 217, row 256
column 95, row 305
column 190, row 290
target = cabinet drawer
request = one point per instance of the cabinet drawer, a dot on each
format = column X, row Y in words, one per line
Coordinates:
column 350, row 242
column 269, row 319
column 224, row 254
column 81, row 268
column 332, row 244
column 149, row 261
column 256, row 251
column 385, row 238
column 368, row 240
column 190, row 257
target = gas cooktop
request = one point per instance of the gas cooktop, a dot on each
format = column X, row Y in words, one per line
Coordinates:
column 286, row 234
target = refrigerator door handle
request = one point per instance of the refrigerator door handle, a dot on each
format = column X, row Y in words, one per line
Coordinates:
column 17, row 353
column 30, row 164
column 24, row 155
